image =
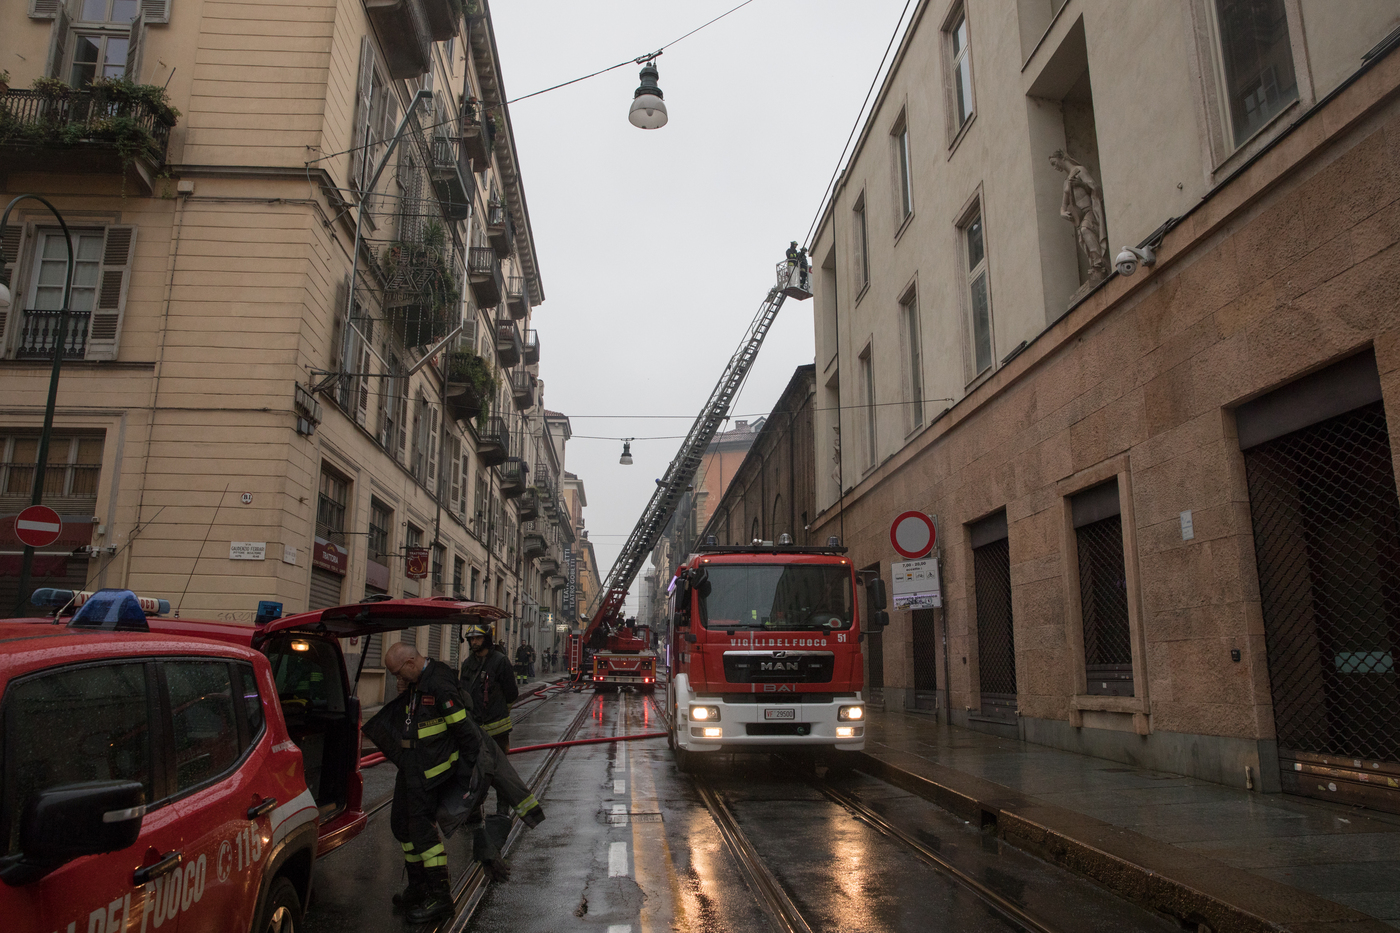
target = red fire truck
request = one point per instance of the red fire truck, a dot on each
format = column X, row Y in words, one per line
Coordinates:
column 626, row 658
column 765, row 650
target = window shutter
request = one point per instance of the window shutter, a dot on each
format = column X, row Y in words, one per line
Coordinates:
column 58, row 41
column 402, row 403
column 113, row 282
column 44, row 9
column 360, row 134
column 136, row 45
column 455, row 452
column 342, row 296
column 468, row 336
column 432, row 447
column 362, row 402
column 9, row 253
column 156, row 11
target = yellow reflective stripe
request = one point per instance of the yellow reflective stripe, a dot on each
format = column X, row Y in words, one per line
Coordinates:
column 408, row 847
column 435, row 770
column 437, row 727
column 456, row 717
column 407, row 857
column 499, row 726
column 526, row 805
column 435, row 850
column 437, row 862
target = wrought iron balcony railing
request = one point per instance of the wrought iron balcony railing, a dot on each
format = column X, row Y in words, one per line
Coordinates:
column 523, row 385
column 451, row 172
column 493, row 442
column 531, row 353
column 517, row 297
column 484, row 273
column 508, row 344
column 500, row 229
column 39, row 331
column 84, row 122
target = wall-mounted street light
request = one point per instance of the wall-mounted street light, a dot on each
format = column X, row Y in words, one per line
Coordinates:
column 36, row 494
column 648, row 108
column 626, row 458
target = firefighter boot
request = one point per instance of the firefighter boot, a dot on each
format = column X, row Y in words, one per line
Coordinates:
column 436, row 902
column 414, row 893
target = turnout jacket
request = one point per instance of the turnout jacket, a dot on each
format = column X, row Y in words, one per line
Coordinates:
column 489, row 684
column 425, row 731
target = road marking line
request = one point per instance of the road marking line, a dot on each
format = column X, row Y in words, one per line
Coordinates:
column 619, row 815
column 617, row 860
column 620, row 928
column 619, row 787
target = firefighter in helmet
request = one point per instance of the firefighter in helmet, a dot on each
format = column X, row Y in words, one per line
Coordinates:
column 488, row 680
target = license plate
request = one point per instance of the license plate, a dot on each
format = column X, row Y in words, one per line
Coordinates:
column 780, row 714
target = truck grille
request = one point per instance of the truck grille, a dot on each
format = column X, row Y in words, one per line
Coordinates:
column 769, row 667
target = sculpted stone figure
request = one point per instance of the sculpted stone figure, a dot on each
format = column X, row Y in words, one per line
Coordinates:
column 1082, row 206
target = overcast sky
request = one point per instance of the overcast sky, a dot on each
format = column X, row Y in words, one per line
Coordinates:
column 656, row 247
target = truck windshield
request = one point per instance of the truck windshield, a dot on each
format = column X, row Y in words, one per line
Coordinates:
column 778, row 597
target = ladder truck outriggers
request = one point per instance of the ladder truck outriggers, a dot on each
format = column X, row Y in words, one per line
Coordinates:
column 764, row 645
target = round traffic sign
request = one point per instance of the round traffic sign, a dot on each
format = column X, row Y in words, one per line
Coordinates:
column 38, row 526
column 912, row 534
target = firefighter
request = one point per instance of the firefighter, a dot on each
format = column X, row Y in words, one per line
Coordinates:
column 488, row 681
column 427, row 733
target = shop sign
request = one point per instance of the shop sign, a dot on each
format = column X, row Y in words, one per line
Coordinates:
column 416, row 563
column 329, row 556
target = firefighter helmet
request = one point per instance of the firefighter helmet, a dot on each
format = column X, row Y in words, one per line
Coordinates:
column 478, row 629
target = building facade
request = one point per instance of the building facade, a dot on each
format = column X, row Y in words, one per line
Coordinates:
column 1165, row 497
column 300, row 364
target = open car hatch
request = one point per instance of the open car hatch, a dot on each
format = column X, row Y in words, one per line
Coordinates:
column 386, row 615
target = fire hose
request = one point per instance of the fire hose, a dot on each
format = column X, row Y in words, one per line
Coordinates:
column 377, row 758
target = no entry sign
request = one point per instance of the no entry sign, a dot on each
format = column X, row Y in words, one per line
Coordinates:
column 38, row 526
column 912, row 534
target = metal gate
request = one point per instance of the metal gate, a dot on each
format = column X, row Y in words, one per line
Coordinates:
column 925, row 659
column 874, row 648
column 1103, row 591
column 1327, row 545
column 325, row 589
column 996, row 651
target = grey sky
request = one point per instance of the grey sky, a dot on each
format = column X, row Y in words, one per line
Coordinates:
column 657, row 247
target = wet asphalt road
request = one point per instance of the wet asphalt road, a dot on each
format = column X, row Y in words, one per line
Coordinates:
column 628, row 845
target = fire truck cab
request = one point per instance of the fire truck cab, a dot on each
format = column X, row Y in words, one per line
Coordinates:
column 765, row 649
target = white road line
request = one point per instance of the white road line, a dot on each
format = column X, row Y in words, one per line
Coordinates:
column 617, row 860
column 622, row 754
column 620, row 928
column 619, row 787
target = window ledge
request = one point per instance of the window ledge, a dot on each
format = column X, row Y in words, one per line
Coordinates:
column 1083, row 702
column 861, row 294
column 958, row 136
column 978, row 379
column 903, row 225
column 1251, row 147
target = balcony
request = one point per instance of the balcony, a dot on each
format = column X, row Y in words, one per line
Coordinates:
column 531, row 353
column 548, row 565
column 405, row 36
column 517, row 298
column 508, row 345
column 522, row 388
column 493, row 443
column 558, row 581
column 500, row 229
column 478, row 135
column 484, row 274
column 535, row 545
column 515, row 475
column 106, row 129
column 528, row 508
column 422, row 286
column 39, row 330
column 544, row 483
column 469, row 386
column 451, row 171
column 443, row 19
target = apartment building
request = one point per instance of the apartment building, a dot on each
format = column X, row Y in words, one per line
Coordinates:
column 1164, row 489
column 300, row 363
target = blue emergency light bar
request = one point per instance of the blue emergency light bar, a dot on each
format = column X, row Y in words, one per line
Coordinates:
column 58, row 599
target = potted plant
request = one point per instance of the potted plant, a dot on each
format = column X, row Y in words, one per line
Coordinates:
column 4, row 81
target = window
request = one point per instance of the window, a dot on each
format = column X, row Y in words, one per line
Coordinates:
column 1256, row 59
column 206, row 728
column 414, row 537
column 979, row 296
column 376, row 115
column 247, row 687
column 960, row 70
column 909, row 314
column 74, row 465
column 867, row 378
column 904, row 184
column 474, row 593
column 380, row 519
column 330, row 506
column 101, row 271
column 439, row 555
column 97, row 55
column 1103, row 591
column 861, row 245
column 459, row 570
column 71, row 726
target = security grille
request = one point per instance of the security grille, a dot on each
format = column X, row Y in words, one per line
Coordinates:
column 1103, row 592
column 925, row 659
column 435, row 641
column 1327, row 545
column 996, row 652
column 325, row 589
column 374, row 651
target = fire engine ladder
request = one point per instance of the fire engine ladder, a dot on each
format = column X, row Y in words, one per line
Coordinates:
column 792, row 281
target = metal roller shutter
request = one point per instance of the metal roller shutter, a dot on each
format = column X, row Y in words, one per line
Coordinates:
column 325, row 589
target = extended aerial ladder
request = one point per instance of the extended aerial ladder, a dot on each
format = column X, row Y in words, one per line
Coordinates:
column 793, row 281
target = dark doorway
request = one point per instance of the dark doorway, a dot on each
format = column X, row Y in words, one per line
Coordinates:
column 996, row 650
column 925, row 659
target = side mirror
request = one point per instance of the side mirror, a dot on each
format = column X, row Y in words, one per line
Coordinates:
column 882, row 618
column 63, row 823
column 700, row 581
column 875, row 590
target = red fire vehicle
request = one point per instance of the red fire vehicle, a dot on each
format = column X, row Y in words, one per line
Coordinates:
column 765, row 650
column 626, row 658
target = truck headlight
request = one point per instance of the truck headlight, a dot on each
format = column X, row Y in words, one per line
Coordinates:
column 845, row 732
column 851, row 713
column 704, row 713
column 714, row 732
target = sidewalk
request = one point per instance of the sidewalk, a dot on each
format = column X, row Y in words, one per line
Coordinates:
column 1201, row 852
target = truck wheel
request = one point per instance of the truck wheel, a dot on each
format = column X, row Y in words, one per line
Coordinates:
column 282, row 910
column 684, row 763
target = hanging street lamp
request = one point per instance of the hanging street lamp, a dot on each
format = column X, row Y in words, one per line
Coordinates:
column 648, row 108
column 626, row 458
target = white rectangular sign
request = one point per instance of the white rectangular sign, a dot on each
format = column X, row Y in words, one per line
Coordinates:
column 289, row 554
column 247, row 550
column 916, row 584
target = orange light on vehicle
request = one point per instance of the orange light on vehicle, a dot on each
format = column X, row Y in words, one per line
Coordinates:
column 300, row 645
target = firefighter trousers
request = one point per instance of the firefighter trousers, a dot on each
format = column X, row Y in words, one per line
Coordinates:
column 411, row 817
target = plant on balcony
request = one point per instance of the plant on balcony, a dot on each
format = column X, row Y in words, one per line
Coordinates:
column 420, row 272
column 115, row 115
column 4, row 81
column 466, row 367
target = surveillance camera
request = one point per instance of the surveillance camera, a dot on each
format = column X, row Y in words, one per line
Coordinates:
column 1128, row 259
